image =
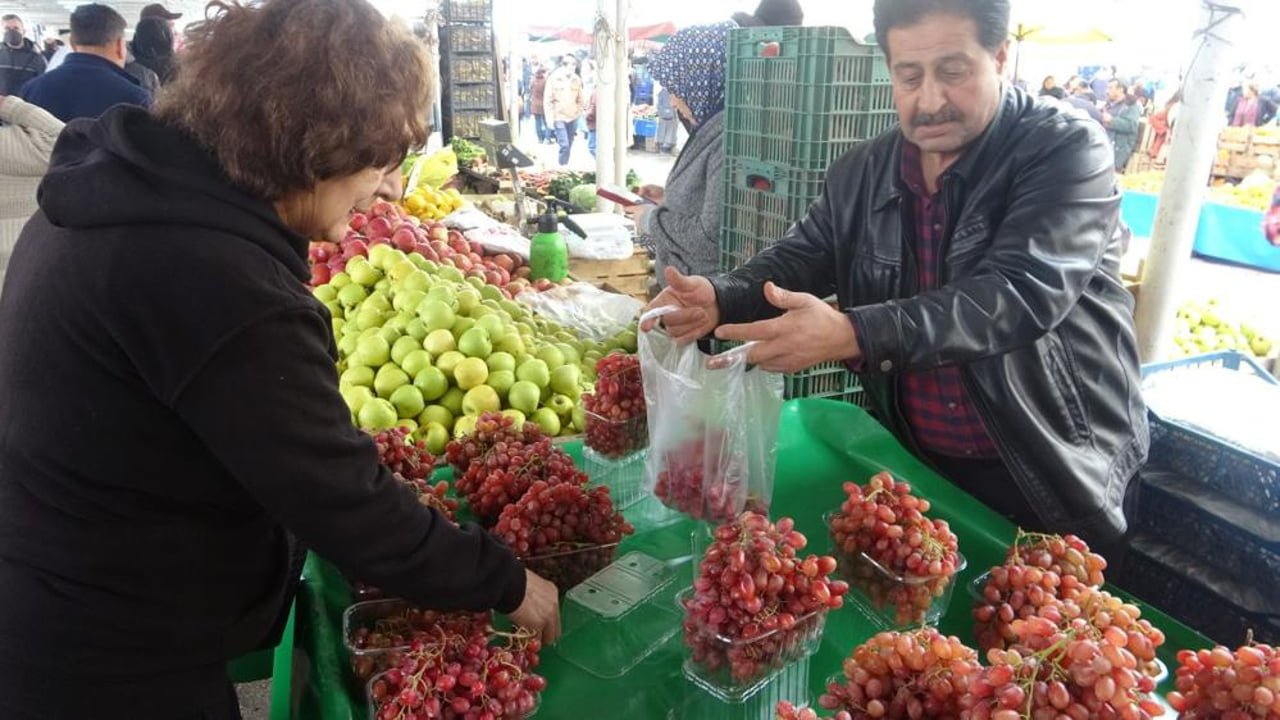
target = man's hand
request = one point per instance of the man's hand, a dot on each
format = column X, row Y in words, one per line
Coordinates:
column 540, row 610
column 810, row 332
column 698, row 314
column 1106, row 118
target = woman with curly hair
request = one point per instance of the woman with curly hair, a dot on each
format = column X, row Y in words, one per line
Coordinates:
column 171, row 431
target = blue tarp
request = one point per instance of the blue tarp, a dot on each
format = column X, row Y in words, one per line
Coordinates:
column 1224, row 233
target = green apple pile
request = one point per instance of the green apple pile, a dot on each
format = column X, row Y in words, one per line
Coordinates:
column 423, row 348
column 1206, row 327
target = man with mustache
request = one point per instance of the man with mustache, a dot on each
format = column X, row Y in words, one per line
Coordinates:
column 973, row 256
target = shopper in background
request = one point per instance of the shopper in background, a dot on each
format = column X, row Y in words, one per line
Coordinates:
column 153, row 47
column 772, row 13
column 537, row 100
column 668, row 123
column 1162, row 123
column 684, row 226
column 1082, row 98
column 62, row 51
column 92, row 78
column 159, row 12
column 145, row 76
column 1122, row 119
column 590, row 119
column 1252, row 109
column 171, row 416
column 1271, row 221
column 974, row 254
column 1050, row 88
column 20, row 62
column 27, row 134
column 564, row 103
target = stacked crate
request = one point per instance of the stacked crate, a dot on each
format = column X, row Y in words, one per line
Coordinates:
column 469, row 67
column 1207, row 546
column 796, row 100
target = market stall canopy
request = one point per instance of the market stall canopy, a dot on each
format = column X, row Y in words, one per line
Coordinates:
column 582, row 36
column 1045, row 35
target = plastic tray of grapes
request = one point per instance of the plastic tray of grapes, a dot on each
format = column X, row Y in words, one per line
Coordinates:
column 734, row 670
column 896, row 601
column 624, row 476
column 791, row 684
column 377, row 633
column 616, row 439
column 390, row 682
column 1160, row 672
column 568, row 567
column 619, row 616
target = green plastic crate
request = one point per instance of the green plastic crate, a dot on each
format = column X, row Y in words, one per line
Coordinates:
column 829, row 381
column 798, row 95
column 762, row 202
column 468, row 11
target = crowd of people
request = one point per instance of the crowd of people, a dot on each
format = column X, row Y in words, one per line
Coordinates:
column 1123, row 107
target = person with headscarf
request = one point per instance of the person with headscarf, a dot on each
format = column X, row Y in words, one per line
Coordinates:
column 684, row 226
column 772, row 13
column 153, row 47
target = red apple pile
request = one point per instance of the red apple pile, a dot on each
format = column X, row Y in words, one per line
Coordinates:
column 388, row 224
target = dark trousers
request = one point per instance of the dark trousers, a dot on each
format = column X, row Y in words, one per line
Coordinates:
column 565, row 133
column 992, row 484
column 540, row 127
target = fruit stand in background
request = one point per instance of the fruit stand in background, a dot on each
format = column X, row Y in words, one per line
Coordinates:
column 1230, row 234
column 822, row 445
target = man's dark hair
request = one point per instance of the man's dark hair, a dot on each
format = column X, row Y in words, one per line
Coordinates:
column 1120, row 84
column 991, row 17
column 96, row 25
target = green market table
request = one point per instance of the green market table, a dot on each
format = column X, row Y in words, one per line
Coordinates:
column 821, row 444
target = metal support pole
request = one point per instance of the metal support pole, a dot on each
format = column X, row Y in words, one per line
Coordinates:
column 1190, row 157
column 606, row 47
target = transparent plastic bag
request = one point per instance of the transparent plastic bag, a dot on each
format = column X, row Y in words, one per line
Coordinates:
column 712, row 432
column 586, row 309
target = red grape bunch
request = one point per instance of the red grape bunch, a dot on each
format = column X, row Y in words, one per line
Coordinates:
column 381, row 643
column 1038, row 570
column 616, row 418
column 462, row 676
column 491, row 429
column 1061, row 666
column 917, row 674
column 756, row 602
column 404, row 456
column 1219, row 684
column 702, row 478
column 564, row 532
column 501, row 476
column 894, row 553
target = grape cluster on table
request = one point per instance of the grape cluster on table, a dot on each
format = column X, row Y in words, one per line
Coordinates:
column 756, row 601
column 461, row 672
column 616, row 417
column 888, row 547
column 1219, row 684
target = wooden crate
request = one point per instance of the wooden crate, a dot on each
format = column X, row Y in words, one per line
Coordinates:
column 628, row 277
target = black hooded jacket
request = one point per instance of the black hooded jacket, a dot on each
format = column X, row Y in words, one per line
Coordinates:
column 170, row 408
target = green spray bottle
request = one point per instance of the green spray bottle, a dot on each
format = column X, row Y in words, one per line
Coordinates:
column 548, row 253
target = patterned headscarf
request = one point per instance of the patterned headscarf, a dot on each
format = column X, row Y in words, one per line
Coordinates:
column 692, row 67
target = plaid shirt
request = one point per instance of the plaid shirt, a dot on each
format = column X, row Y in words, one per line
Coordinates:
column 934, row 402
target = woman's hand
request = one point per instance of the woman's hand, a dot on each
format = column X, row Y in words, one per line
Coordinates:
column 540, row 610
column 637, row 213
column 653, row 193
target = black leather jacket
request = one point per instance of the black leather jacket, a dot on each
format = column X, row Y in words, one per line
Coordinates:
column 1030, row 305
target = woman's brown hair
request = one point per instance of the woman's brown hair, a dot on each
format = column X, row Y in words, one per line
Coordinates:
column 286, row 93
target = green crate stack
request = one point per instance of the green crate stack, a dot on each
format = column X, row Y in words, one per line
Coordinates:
column 830, row 381
column 469, row 68
column 796, row 99
column 803, row 96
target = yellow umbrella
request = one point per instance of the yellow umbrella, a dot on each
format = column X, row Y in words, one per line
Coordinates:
column 1047, row 34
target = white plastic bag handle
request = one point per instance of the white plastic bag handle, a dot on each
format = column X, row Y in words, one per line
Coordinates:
column 716, row 362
